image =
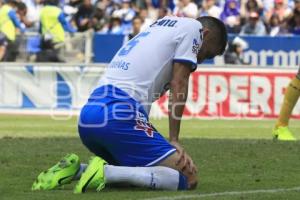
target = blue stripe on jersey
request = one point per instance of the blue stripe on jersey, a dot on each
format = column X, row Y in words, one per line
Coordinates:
column 194, row 65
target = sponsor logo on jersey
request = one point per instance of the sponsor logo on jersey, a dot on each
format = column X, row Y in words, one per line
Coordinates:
column 201, row 34
column 195, row 47
column 142, row 124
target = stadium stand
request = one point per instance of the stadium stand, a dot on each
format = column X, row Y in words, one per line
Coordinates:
column 244, row 17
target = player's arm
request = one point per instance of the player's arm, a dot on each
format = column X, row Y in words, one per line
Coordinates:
column 178, row 95
column 185, row 61
column 13, row 16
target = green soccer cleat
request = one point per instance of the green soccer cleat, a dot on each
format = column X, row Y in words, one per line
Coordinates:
column 93, row 177
column 283, row 133
column 60, row 174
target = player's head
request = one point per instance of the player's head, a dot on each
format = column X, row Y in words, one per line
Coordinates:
column 214, row 38
column 21, row 9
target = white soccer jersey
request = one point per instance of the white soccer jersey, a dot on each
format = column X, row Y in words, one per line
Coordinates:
column 143, row 66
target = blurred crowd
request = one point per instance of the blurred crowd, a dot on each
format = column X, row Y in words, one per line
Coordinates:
column 258, row 17
column 52, row 18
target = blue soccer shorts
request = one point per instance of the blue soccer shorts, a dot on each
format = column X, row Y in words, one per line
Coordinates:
column 115, row 127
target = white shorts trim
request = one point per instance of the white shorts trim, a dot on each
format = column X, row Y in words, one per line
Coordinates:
column 161, row 158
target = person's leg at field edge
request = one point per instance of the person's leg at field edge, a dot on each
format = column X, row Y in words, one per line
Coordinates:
column 291, row 97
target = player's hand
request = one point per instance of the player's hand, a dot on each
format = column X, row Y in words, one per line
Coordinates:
column 180, row 151
column 183, row 157
column 190, row 166
column 188, row 163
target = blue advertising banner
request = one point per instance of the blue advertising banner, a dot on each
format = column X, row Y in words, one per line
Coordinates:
column 262, row 51
column 105, row 46
column 272, row 51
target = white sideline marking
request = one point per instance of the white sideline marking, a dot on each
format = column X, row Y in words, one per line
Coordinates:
column 225, row 194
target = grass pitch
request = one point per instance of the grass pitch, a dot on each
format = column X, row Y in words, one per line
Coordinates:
column 232, row 155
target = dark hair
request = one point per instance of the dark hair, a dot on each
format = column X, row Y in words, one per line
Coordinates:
column 291, row 21
column 115, row 19
column 137, row 17
column 21, row 6
column 218, row 30
column 248, row 4
column 274, row 16
column 52, row 2
column 12, row 2
column 232, row 47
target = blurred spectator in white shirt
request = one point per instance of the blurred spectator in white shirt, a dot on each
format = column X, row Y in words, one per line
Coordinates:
column 268, row 5
column 186, row 8
column 114, row 27
column 126, row 14
column 107, row 6
column 33, row 11
column 147, row 21
column 209, row 8
column 234, row 52
column 276, row 27
column 152, row 12
column 254, row 26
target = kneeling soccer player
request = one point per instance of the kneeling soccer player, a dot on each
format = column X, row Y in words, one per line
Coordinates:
column 114, row 123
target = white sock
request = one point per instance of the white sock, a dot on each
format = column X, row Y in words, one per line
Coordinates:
column 150, row 177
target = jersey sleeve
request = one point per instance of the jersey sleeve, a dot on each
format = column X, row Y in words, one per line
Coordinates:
column 13, row 16
column 189, row 40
